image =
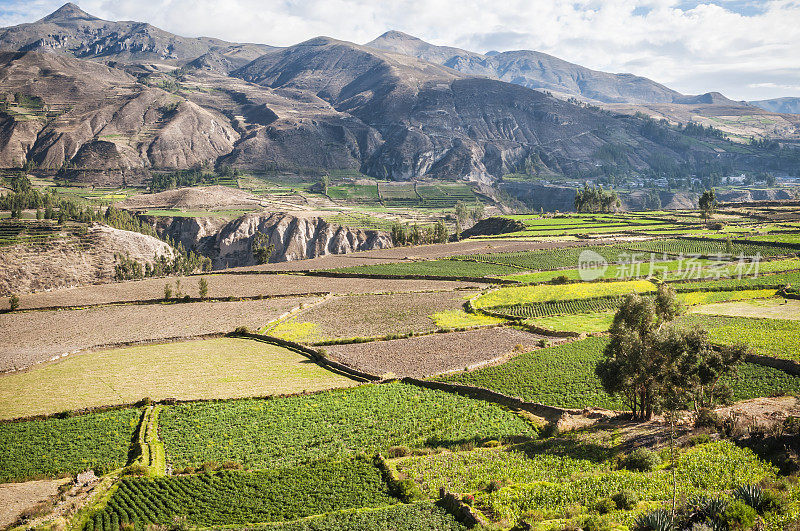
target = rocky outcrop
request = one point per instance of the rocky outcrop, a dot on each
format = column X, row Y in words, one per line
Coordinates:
column 294, row 237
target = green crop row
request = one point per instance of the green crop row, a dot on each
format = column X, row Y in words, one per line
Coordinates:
column 369, row 418
column 58, row 446
column 711, row 248
column 541, row 293
column 777, row 280
column 548, row 259
column 440, row 268
column 547, row 309
column 234, row 497
column 563, row 376
column 420, row 516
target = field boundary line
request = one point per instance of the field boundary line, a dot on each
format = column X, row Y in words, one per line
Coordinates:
column 552, row 414
column 297, row 310
column 398, row 337
column 145, row 302
column 314, row 355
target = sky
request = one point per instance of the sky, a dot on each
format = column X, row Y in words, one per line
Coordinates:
column 745, row 49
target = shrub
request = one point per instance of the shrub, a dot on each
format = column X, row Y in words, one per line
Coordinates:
column 706, row 418
column 408, row 491
column 655, row 521
column 241, row 330
column 700, row 438
column 739, row 516
column 626, row 499
column 594, row 523
column 560, row 279
column 543, row 343
column 135, row 470
column 605, row 505
column 167, row 291
column 398, row 451
column 752, row 495
column 232, row 465
column 641, row 460
column 13, row 302
column 495, row 485
column 202, row 287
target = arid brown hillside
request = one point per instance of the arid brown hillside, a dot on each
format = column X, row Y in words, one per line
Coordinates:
column 74, row 260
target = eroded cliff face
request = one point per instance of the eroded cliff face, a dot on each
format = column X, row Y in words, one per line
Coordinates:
column 294, row 236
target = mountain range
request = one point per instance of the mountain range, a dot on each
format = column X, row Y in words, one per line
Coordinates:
column 89, row 94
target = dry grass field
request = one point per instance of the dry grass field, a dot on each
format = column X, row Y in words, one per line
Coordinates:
column 436, row 353
column 213, row 368
column 370, row 315
column 30, row 337
column 769, row 308
column 222, row 285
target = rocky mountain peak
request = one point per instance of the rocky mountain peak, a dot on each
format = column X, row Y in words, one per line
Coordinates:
column 68, row 12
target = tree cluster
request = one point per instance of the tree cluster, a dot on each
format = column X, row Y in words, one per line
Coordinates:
column 596, row 199
column 416, row 235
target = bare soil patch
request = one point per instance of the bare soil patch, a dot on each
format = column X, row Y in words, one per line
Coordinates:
column 379, row 315
column 222, row 286
column 15, row 498
column 419, row 252
column 194, row 197
column 433, row 354
column 28, row 338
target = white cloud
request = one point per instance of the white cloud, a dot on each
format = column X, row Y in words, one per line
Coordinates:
column 745, row 49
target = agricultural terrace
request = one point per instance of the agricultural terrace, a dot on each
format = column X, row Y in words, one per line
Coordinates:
column 551, row 293
column 418, row 516
column 27, row 338
column 776, row 338
column 774, row 308
column 563, row 376
column 191, row 370
column 369, row 418
column 545, row 486
column 56, row 446
column 221, row 286
column 233, row 497
column 434, row 353
column 369, row 315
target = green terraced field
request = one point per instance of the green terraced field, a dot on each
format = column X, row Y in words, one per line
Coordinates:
column 57, row 446
column 286, row 431
column 563, row 376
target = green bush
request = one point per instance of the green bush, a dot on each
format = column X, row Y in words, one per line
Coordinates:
column 739, row 516
column 626, row 499
column 641, row 460
column 13, row 302
column 408, row 491
column 707, row 418
column 605, row 505
column 594, row 523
